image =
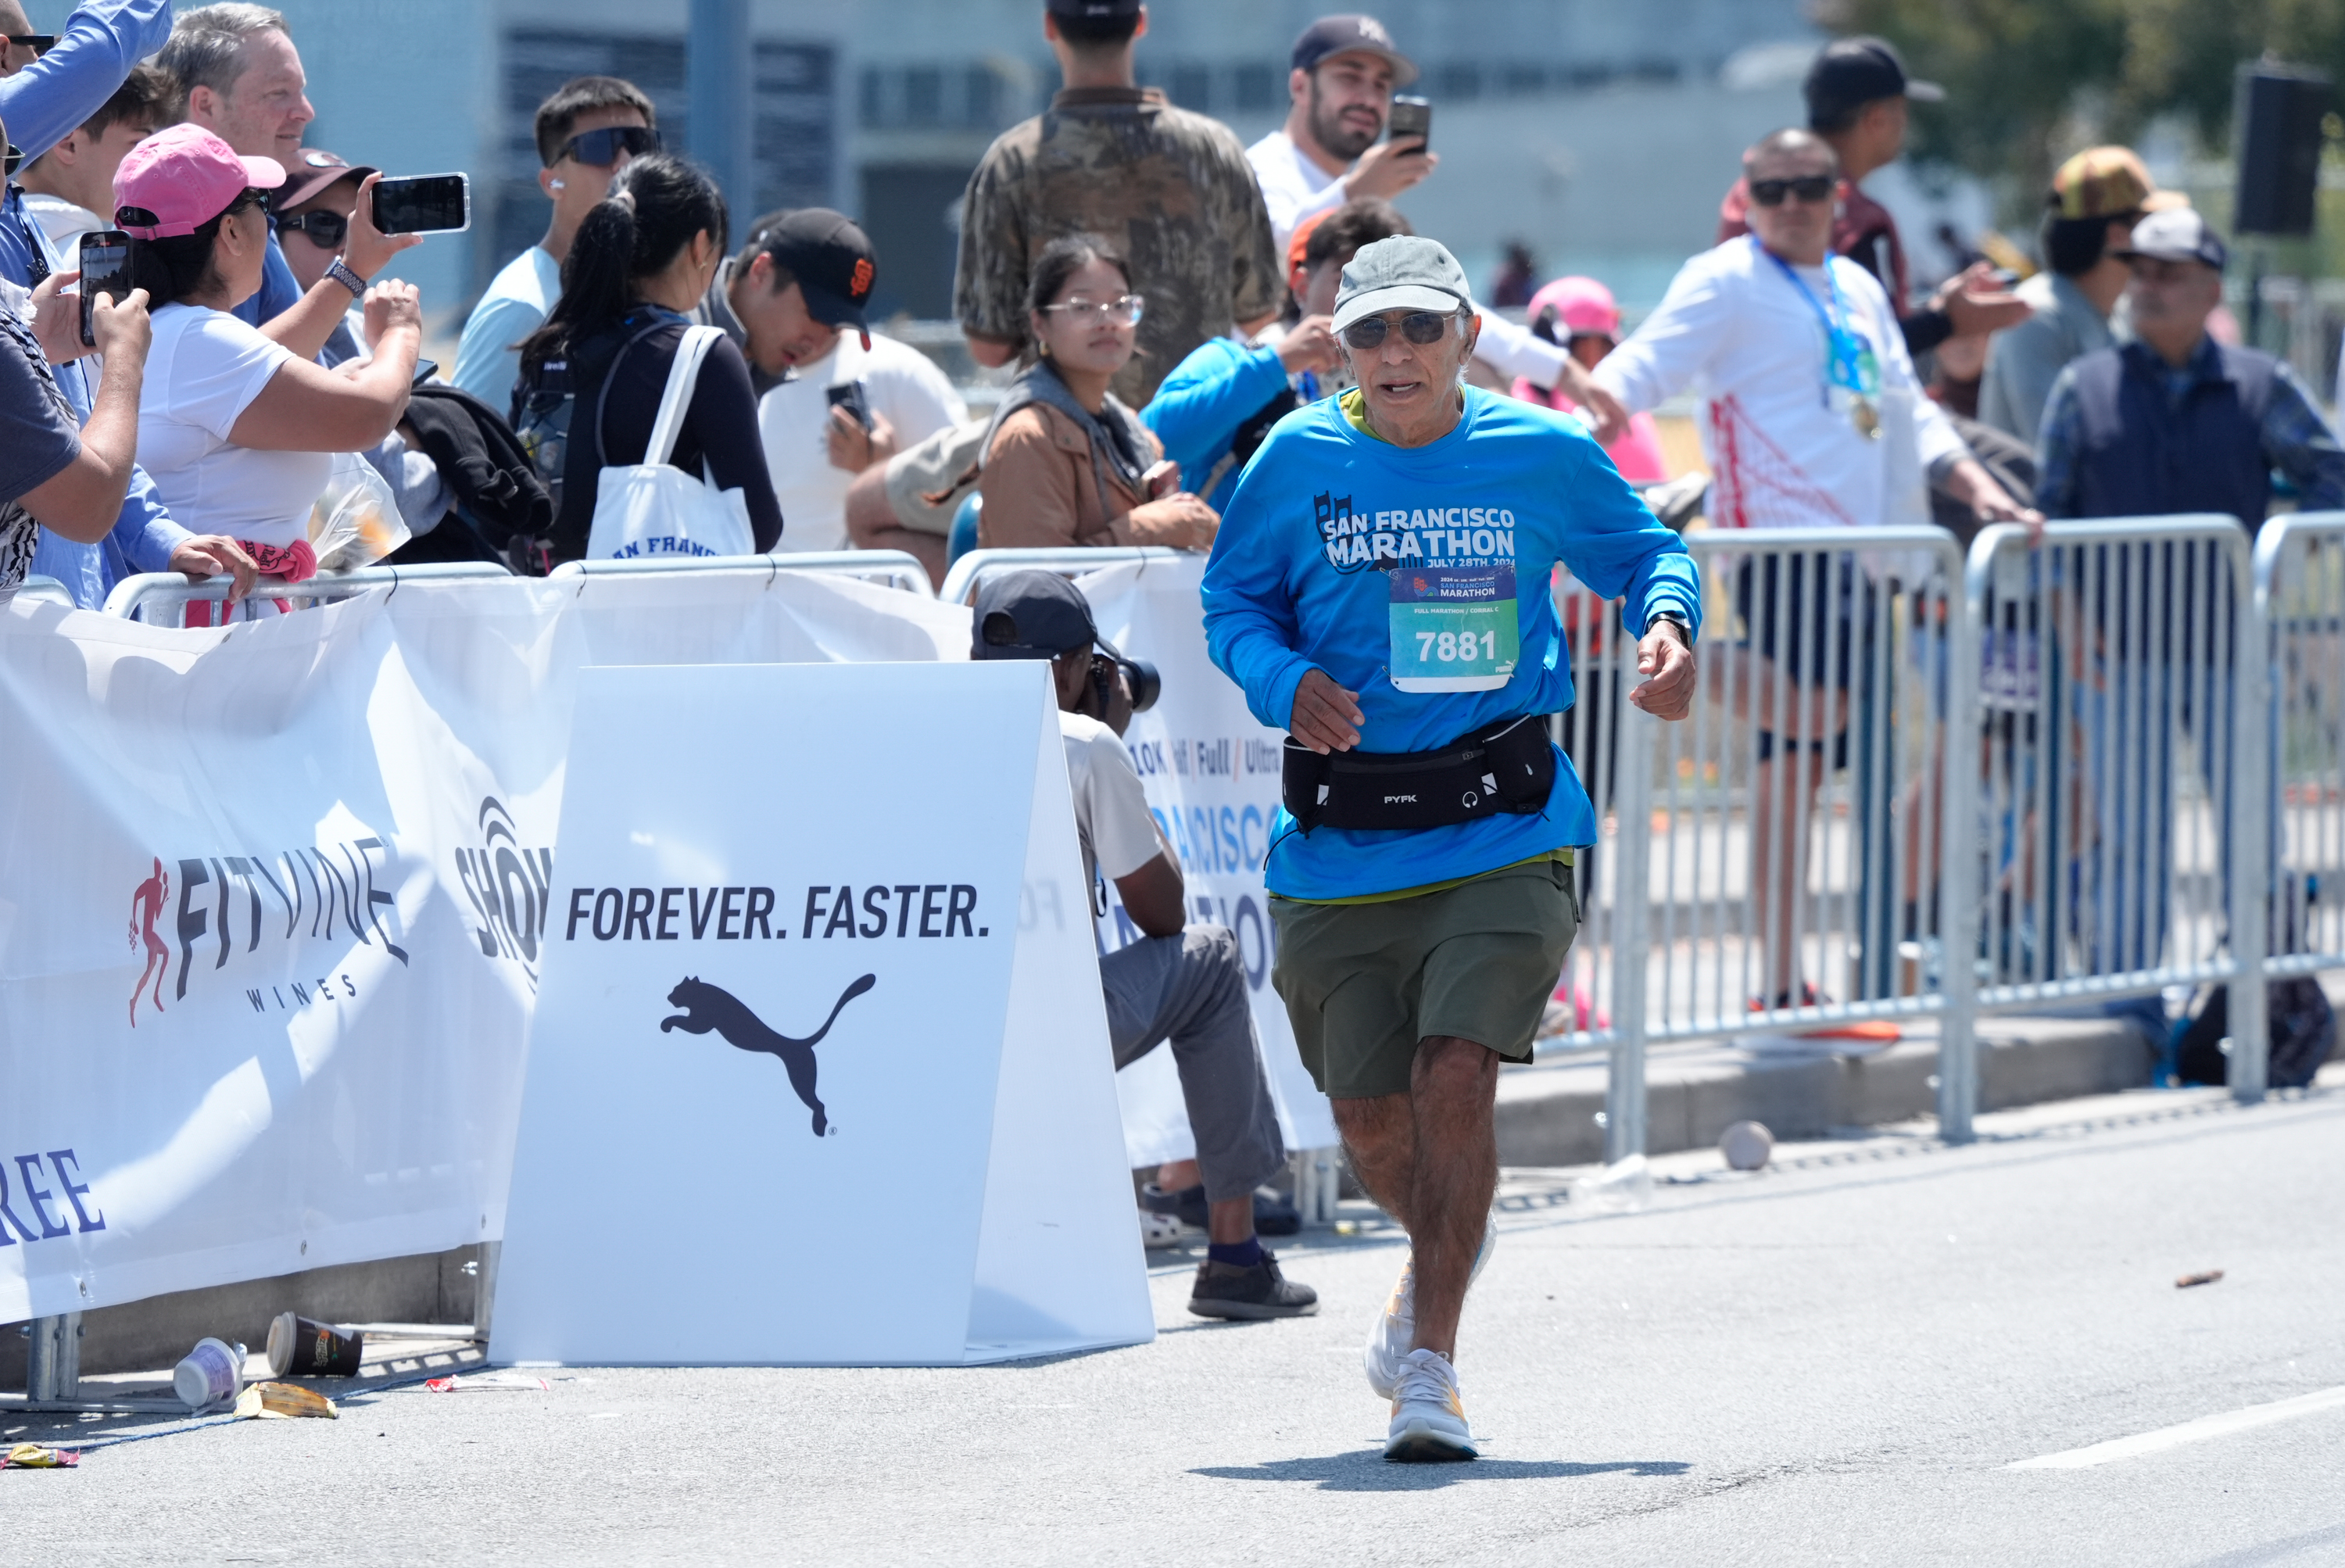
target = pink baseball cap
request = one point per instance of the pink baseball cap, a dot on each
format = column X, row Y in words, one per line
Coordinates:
column 1580, row 305
column 185, row 177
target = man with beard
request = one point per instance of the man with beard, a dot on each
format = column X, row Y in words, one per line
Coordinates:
column 1344, row 71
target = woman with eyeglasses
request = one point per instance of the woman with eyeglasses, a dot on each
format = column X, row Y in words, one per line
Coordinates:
column 1065, row 462
column 639, row 266
column 237, row 430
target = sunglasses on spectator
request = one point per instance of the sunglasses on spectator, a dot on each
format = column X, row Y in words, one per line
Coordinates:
column 39, row 43
column 1419, row 327
column 326, row 230
column 8, row 165
column 1122, row 312
column 1807, row 188
column 600, row 148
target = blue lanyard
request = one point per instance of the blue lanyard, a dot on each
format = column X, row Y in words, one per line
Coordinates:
column 1847, row 351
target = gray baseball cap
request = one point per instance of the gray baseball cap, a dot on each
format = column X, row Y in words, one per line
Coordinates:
column 1405, row 272
column 2178, row 234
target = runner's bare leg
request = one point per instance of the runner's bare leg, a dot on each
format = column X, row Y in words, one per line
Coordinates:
column 1379, row 1136
column 1453, row 1091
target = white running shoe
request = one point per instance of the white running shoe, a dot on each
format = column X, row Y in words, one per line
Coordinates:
column 1428, row 1419
column 1394, row 1329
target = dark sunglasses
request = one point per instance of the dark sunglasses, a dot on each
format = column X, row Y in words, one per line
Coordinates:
column 1419, row 327
column 39, row 43
column 9, row 165
column 1807, row 188
column 326, row 231
column 600, row 148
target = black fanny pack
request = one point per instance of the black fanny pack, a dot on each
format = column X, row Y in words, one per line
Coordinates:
column 1508, row 767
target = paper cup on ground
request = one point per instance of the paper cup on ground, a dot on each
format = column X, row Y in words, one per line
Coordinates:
column 304, row 1347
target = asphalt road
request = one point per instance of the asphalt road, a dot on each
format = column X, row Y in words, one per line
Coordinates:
column 1828, row 1363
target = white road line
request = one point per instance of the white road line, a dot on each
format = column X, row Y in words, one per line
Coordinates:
column 2199, row 1431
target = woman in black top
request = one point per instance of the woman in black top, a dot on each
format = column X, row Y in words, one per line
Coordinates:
column 641, row 259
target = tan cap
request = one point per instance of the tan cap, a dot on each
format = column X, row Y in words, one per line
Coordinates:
column 2101, row 182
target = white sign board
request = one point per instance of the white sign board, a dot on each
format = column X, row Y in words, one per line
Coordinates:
column 1212, row 774
column 819, row 1072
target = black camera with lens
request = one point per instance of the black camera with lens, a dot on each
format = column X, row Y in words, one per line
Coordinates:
column 1140, row 676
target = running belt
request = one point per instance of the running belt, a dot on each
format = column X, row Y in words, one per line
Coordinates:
column 1508, row 767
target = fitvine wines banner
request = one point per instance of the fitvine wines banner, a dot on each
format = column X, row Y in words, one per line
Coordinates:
column 274, row 901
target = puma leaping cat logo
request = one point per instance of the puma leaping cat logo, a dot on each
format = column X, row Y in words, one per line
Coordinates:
column 707, row 1007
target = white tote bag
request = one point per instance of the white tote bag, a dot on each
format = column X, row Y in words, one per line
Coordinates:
column 651, row 509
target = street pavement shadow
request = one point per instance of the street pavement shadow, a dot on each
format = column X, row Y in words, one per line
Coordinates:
column 1367, row 1469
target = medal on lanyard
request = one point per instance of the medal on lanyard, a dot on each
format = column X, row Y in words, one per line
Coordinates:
column 1851, row 368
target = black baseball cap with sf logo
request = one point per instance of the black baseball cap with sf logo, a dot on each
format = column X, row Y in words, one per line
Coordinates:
column 831, row 259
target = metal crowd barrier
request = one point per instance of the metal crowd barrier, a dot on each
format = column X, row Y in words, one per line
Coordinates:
column 2299, row 597
column 1933, row 788
column 895, row 568
column 961, row 580
column 2116, row 791
column 1768, row 868
column 134, row 596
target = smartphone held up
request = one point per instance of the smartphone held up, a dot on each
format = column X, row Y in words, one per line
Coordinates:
column 1411, row 120
column 423, row 204
column 104, row 270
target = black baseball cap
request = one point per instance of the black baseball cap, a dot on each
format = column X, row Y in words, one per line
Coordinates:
column 1029, row 615
column 1093, row 10
column 832, row 260
column 1332, row 35
column 1853, row 71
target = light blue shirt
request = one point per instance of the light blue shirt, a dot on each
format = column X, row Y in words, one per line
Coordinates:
column 488, row 360
column 1197, row 412
column 1301, row 576
column 52, row 97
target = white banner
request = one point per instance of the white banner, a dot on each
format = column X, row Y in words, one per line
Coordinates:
column 1212, row 774
column 273, row 902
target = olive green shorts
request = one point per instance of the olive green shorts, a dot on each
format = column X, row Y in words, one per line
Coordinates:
column 1365, row 983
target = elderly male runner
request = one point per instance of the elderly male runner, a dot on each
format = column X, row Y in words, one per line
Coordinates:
column 1380, row 588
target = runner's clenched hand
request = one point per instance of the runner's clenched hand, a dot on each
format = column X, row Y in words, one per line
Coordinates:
column 1663, row 656
column 1326, row 717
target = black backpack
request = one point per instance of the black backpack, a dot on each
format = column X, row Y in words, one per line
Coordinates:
column 2303, row 1034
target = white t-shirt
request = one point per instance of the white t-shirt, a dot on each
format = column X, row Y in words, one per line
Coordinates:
column 1293, row 186
column 1112, row 818
column 63, row 221
column 903, row 385
column 517, row 303
column 1784, row 452
column 204, row 370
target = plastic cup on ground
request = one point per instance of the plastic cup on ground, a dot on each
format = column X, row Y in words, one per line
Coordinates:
column 211, row 1374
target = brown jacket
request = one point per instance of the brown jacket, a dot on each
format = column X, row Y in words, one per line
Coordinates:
column 1039, row 491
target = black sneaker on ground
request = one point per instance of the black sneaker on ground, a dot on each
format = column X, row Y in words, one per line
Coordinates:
column 1226, row 1290
column 1273, row 1214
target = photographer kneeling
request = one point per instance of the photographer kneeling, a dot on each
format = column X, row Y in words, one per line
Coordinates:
column 1181, row 983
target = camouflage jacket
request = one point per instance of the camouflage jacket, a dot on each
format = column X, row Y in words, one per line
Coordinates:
column 1170, row 189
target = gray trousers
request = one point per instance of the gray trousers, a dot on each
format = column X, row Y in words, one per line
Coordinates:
column 1191, row 989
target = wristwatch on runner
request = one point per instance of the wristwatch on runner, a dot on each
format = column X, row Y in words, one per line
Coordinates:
column 1685, row 632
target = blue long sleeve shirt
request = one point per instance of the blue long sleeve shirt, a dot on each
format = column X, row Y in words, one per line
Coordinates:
column 1331, row 529
column 1197, row 410
column 53, row 96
